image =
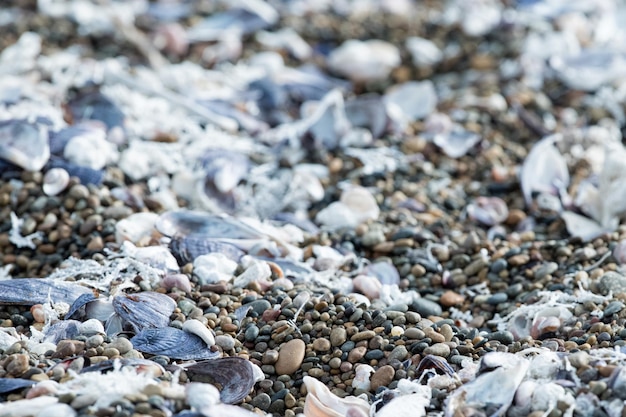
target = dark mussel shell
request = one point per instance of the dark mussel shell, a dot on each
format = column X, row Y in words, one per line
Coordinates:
column 31, row 291
column 77, row 309
column 93, row 105
column 12, row 384
column 187, row 222
column 144, row 310
column 187, row 248
column 174, row 343
column 233, row 376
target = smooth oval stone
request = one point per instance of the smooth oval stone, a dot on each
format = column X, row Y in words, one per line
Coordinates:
column 251, row 333
column 382, row 377
column 497, row 298
column 259, row 306
column 426, row 307
column 613, row 307
column 438, row 349
column 504, row 337
column 290, row 357
column 338, row 336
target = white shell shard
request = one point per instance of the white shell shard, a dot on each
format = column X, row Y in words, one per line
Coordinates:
column 326, row 119
column 496, row 387
column 544, row 169
column 414, row 99
column 24, row 144
column 203, row 332
column 405, row 405
column 363, row 61
column 136, row 227
column 288, row 39
column 362, row 376
column 158, row 257
column 424, row 52
column 91, row 149
column 488, row 210
column 213, row 268
column 200, row 395
column 20, row 56
column 55, row 181
column 581, row 226
column 28, row 407
column 257, row 270
column 355, row 206
column 590, row 69
column 320, row 402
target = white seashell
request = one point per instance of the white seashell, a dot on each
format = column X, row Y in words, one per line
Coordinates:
column 91, row 327
column 256, row 271
column 544, row 169
column 213, row 268
column 364, row 61
column 361, row 202
column 158, row 257
column 28, row 407
column 200, row 395
column 41, row 348
column 524, row 394
column 55, row 181
column 91, row 149
column 320, row 402
column 415, row 99
column 136, row 227
column 362, row 377
column 259, row 375
column 57, row 410
column 199, row 329
column 406, row 405
column 424, row 52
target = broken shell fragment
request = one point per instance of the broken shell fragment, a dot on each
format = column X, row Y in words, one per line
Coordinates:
column 55, row 181
column 24, row 144
column 31, row 291
column 196, row 327
column 320, row 402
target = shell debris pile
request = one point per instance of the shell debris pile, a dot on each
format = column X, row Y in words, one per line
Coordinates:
column 287, row 208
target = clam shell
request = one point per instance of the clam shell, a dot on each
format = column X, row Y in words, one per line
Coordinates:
column 12, row 384
column 77, row 309
column 186, row 249
column 31, row 291
column 144, row 310
column 234, row 377
column 95, row 106
column 55, row 181
column 66, row 329
column 174, row 343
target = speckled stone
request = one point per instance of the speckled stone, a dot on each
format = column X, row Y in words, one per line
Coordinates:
column 338, row 336
column 438, row 349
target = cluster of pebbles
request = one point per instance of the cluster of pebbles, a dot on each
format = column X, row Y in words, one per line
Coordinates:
column 358, row 208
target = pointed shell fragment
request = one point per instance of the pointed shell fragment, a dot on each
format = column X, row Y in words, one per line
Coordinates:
column 234, row 376
column 174, row 343
column 320, row 402
column 196, row 327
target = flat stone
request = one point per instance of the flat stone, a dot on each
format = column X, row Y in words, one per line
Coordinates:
column 290, row 357
column 426, row 307
column 438, row 349
column 414, row 333
column 399, row 352
column 338, row 336
column 382, row 377
column 451, row 298
column 505, row 337
column 364, row 335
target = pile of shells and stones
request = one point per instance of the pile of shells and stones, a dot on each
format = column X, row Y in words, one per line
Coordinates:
column 294, row 207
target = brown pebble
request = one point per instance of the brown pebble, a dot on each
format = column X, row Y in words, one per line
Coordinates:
column 451, row 298
column 321, row 345
column 16, row 364
column 290, row 357
column 357, row 354
column 517, row 260
column 364, row 335
column 382, row 377
column 95, row 243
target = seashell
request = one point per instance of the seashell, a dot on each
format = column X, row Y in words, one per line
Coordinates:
column 66, row 329
column 234, row 376
column 136, row 228
column 13, row 384
column 196, row 327
column 187, row 248
column 55, row 181
column 488, row 210
column 31, row 291
column 364, row 111
column 24, row 144
column 355, row 206
column 158, row 257
column 43, row 388
column 411, row 101
column 77, row 309
column 325, row 120
column 285, row 38
column 543, row 325
column 187, row 222
column 424, row 52
column 144, row 310
column 320, row 402
column 91, row 150
column 437, row 363
column 257, row 271
column 201, row 396
column 363, row 61
column 85, row 174
column 362, row 377
column 368, row 286
column 404, row 405
column 144, row 366
column 99, row 309
column 30, row 406
column 544, row 169
column 93, row 105
column 213, row 268
column 173, row 343
column 224, row 168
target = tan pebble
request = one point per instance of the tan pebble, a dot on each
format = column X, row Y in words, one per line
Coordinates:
column 418, row 270
column 607, row 370
column 38, row 313
column 515, row 216
column 451, row 298
column 95, row 244
column 338, row 336
column 384, row 247
column 40, row 377
column 438, row 349
column 446, row 332
column 290, row 357
column 111, row 352
column 16, row 364
column 414, row 333
column 382, row 377
column 321, row 345
column 436, row 337
column 229, row 327
column 364, row 335
column 357, row 354
column 518, row 260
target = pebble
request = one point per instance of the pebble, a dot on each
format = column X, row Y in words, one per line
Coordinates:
column 438, row 349
column 338, row 336
column 450, row 298
column 426, row 307
column 382, row 377
column 262, row 401
column 321, row 345
column 225, row 341
column 357, row 354
column 121, row 344
column 290, row 357
column 612, row 282
column 363, row 335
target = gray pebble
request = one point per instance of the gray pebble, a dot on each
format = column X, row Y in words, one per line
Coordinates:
column 497, row 298
column 505, row 337
column 613, row 307
column 426, row 307
column 399, row 352
column 251, row 333
column 612, row 282
column 498, row 266
column 262, row 401
column 225, row 341
column 259, row 306
column 438, row 349
column 546, row 269
column 122, row 344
